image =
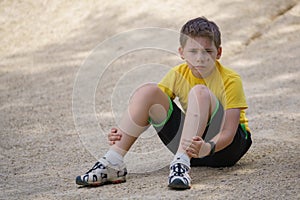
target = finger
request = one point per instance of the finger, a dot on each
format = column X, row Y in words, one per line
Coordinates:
column 192, row 144
column 114, row 137
column 117, row 135
column 191, row 154
column 114, row 134
column 190, row 149
column 111, row 135
column 197, row 138
column 186, row 145
column 194, row 148
column 113, row 130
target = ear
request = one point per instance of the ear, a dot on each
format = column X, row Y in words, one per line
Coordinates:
column 180, row 51
column 219, row 53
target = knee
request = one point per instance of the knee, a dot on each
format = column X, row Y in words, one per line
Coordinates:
column 199, row 92
column 147, row 90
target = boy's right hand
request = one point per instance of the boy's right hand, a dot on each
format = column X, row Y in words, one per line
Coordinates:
column 114, row 136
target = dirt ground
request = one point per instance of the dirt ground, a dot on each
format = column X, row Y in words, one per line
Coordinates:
column 44, row 144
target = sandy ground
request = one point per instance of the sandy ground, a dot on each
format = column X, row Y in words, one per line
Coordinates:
column 44, row 44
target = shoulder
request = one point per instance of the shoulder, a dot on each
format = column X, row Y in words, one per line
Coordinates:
column 227, row 73
column 181, row 71
column 178, row 71
column 181, row 68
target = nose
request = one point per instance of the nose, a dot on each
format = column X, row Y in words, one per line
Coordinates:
column 200, row 57
column 203, row 57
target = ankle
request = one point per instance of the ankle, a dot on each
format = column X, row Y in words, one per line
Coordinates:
column 114, row 157
column 182, row 158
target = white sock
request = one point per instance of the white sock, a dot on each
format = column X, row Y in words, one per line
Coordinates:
column 182, row 158
column 113, row 157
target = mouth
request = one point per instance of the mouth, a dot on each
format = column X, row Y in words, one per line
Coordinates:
column 199, row 67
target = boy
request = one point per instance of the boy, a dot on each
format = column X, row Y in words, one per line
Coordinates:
column 213, row 129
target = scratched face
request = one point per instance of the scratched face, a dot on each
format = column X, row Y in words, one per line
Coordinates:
column 200, row 54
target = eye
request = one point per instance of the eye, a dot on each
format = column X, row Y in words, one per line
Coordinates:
column 193, row 51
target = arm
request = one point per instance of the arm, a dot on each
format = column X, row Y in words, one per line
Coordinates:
column 199, row 148
column 231, row 122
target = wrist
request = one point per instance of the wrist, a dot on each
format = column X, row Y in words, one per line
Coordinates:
column 212, row 148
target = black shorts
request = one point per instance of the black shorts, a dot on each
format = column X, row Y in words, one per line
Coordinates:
column 170, row 134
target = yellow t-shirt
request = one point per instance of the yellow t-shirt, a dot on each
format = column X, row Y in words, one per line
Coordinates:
column 225, row 83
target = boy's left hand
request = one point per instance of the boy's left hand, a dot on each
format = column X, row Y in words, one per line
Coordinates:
column 197, row 147
column 114, row 136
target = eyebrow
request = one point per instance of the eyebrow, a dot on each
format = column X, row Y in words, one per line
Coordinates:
column 206, row 49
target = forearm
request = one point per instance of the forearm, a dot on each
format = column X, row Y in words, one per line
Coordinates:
column 227, row 133
column 223, row 139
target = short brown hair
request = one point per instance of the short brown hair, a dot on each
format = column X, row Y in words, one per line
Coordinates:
column 200, row 27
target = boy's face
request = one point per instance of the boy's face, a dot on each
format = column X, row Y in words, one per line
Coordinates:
column 200, row 54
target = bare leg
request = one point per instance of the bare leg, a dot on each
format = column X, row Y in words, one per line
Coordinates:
column 201, row 104
column 148, row 100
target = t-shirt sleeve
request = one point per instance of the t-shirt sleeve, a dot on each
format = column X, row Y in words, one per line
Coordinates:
column 167, row 84
column 235, row 96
